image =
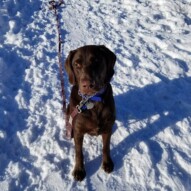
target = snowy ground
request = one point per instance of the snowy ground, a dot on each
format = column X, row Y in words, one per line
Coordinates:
column 151, row 141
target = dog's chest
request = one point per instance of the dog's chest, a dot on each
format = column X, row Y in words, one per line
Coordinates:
column 91, row 122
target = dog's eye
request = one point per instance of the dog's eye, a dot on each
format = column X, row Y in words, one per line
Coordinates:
column 77, row 64
column 96, row 60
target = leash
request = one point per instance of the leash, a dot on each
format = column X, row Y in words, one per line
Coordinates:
column 54, row 6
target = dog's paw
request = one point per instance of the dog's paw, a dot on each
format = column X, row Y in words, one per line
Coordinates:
column 79, row 174
column 108, row 166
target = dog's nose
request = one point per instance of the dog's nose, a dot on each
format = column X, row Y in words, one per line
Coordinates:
column 87, row 84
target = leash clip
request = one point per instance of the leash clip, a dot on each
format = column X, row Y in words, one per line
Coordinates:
column 81, row 105
column 79, row 109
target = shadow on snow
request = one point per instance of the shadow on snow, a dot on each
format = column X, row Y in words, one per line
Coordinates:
column 170, row 100
column 12, row 83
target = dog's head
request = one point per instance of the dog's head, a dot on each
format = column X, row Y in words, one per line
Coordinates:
column 90, row 67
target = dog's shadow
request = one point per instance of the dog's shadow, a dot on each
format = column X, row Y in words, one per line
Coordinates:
column 169, row 101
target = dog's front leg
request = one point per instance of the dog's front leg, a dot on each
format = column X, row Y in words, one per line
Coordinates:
column 107, row 163
column 79, row 172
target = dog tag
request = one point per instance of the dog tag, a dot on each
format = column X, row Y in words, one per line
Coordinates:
column 89, row 105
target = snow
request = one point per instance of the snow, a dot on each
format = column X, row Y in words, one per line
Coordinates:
column 150, row 145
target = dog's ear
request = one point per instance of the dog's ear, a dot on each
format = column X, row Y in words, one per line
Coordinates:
column 111, row 59
column 69, row 68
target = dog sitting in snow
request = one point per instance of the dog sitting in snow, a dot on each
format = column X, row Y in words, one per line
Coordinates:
column 91, row 109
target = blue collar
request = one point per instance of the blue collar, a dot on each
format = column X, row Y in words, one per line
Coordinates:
column 96, row 97
column 87, row 99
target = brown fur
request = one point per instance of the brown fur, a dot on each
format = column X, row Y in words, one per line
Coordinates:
column 90, row 68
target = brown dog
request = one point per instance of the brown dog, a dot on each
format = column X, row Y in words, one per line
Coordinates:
column 90, row 69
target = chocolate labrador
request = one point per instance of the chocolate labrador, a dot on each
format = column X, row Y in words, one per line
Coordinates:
column 91, row 109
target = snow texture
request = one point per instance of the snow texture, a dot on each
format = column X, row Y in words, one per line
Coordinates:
column 150, row 145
